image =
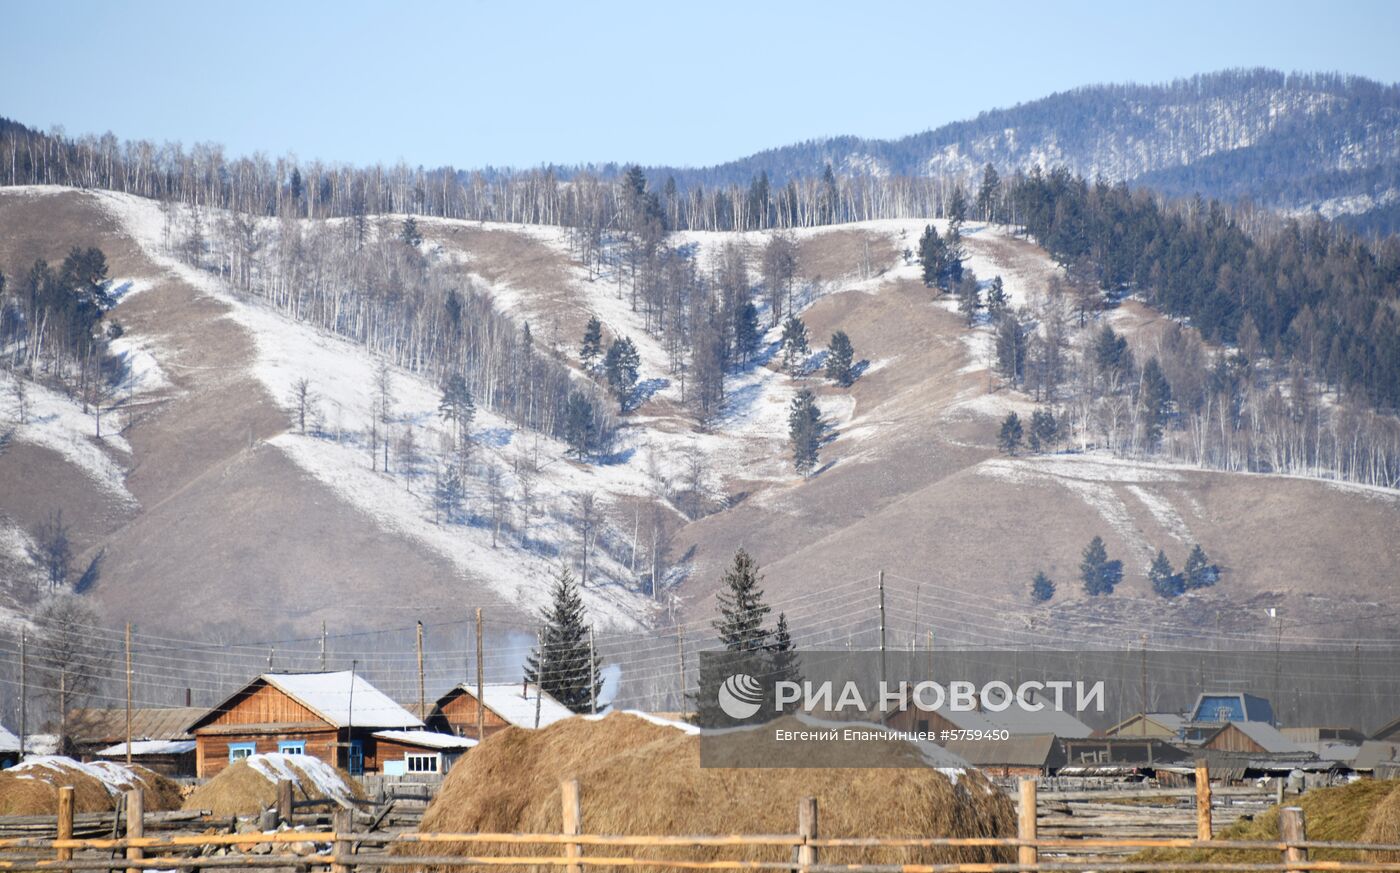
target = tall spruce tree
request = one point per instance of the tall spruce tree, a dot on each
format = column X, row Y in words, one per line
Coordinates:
column 592, row 345
column 1199, row 572
column 409, row 233
column 931, row 256
column 1165, row 581
column 783, row 663
column 1043, row 430
column 1009, row 436
column 794, row 343
column 744, row 640
column 839, row 356
column 804, row 431
column 1042, row 589
column 620, row 369
column 1099, row 574
column 563, row 664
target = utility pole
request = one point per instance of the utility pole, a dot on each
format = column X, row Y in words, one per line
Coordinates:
column 1143, row 723
column 680, row 665
column 422, row 713
column 592, row 686
column 23, row 689
column 128, row 694
column 539, row 680
column 323, row 646
column 882, row 631
column 480, row 681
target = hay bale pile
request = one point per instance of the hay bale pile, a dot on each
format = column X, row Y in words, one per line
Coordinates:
column 1384, row 826
column 250, row 786
column 641, row 778
column 1345, row 813
column 32, row 787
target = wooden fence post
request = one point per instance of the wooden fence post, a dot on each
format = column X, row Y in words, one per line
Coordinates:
column 284, row 800
column 65, row 820
column 135, row 823
column 342, row 824
column 1204, row 830
column 1292, row 829
column 807, row 830
column 1027, row 856
column 573, row 821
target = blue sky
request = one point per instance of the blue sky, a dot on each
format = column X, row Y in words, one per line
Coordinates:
column 514, row 83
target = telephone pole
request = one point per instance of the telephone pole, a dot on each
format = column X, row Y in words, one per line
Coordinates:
column 23, row 690
column 592, row 686
column 323, row 646
column 128, row 694
column 882, row 631
column 422, row 713
column 480, row 682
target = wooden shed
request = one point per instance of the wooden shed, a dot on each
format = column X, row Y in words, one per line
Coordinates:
column 506, row 705
column 173, row 758
column 1252, row 737
column 416, row 752
column 331, row 716
column 99, row 728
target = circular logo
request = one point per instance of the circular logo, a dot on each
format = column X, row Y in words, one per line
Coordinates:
column 740, row 696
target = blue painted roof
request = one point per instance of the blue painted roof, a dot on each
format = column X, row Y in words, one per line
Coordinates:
column 1220, row 707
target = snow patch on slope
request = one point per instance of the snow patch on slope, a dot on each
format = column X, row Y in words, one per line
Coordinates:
column 58, row 423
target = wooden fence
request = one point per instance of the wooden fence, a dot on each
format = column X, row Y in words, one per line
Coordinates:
column 342, row 850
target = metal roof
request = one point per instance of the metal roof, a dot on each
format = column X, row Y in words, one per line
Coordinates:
column 147, row 723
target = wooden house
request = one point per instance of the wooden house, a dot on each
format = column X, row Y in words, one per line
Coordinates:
column 173, row 758
column 331, row 716
column 1252, row 738
column 1159, row 725
column 418, row 752
column 505, row 705
column 96, row 730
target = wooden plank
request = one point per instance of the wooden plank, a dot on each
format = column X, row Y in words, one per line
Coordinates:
column 1026, row 855
column 65, row 820
column 135, row 823
column 573, row 821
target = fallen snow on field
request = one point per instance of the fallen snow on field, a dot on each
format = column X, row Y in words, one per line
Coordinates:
column 57, row 422
column 143, row 373
column 1163, row 511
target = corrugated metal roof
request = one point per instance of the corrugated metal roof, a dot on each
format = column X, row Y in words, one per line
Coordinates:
column 1374, row 753
column 426, row 739
column 1267, row 736
column 94, row 725
column 517, row 705
column 149, row 747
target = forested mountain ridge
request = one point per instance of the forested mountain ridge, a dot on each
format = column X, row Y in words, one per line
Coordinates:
column 1292, row 141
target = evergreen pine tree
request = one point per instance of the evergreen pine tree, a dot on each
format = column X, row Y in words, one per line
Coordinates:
column 579, row 429
column 1156, row 399
column 448, row 495
column 839, row 356
column 409, row 233
column 996, row 298
column 794, row 343
column 747, row 333
column 1042, row 589
column 969, row 298
column 561, row 665
column 1165, row 581
column 804, row 430
column 931, row 256
column 1099, row 574
column 987, row 193
column 592, row 345
column 745, row 641
column 1009, row 437
column 957, row 208
column 783, row 663
column 951, row 272
column 1199, row 572
column 456, row 406
column 1043, row 429
column 1010, row 343
column 620, row 369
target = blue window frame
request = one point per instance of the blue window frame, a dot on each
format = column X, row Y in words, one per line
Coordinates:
column 239, row 751
column 292, row 747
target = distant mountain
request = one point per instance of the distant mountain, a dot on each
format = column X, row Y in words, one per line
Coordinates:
column 1323, row 142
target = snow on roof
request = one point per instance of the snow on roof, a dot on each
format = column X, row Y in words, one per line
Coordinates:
column 682, row 726
column 148, row 747
column 517, row 706
column 8, row 741
column 341, row 701
column 426, row 739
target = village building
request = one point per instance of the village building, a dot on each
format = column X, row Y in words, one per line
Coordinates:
column 160, row 738
column 418, row 752
column 330, row 716
column 512, row 704
column 1161, row 725
column 1251, row 738
column 1389, row 732
column 9, row 748
column 1016, row 719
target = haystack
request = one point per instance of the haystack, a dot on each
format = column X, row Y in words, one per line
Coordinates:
column 32, row 787
column 250, row 786
column 1337, row 814
column 1384, row 827
column 637, row 778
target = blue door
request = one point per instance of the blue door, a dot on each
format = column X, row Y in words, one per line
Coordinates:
column 355, row 759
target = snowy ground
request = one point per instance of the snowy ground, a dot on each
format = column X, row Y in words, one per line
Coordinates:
column 57, row 422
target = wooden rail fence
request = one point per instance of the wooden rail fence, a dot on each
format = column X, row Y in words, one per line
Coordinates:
column 342, row 850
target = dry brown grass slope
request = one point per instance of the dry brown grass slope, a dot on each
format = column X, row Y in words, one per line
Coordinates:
column 229, row 534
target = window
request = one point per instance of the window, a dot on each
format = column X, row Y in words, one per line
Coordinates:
column 422, row 763
column 292, row 747
column 239, row 751
column 355, row 758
